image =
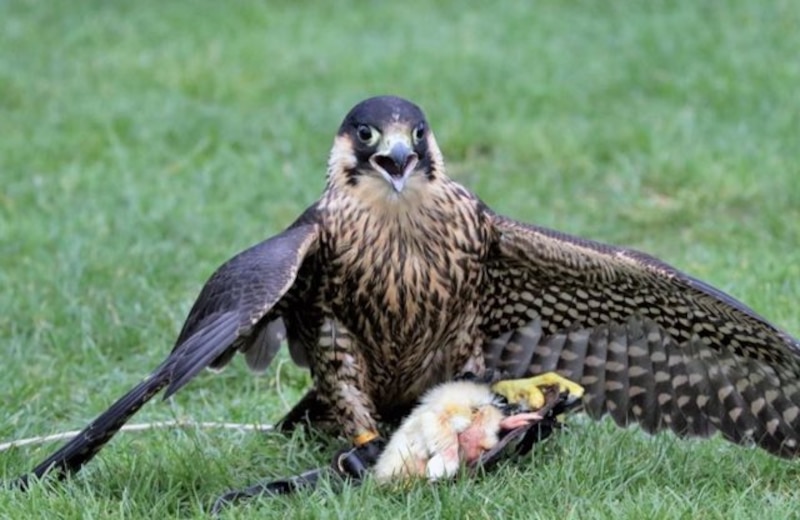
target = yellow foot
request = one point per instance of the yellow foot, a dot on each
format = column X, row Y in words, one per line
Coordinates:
column 531, row 390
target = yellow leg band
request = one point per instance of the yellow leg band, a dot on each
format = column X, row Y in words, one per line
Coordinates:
column 364, row 437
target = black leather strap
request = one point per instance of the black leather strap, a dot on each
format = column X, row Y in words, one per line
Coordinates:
column 349, row 466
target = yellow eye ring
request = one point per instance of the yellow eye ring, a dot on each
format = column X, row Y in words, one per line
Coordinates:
column 419, row 133
column 367, row 135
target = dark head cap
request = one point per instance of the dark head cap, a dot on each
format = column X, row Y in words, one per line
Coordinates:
column 382, row 110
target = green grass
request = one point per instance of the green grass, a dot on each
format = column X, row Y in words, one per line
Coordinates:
column 142, row 143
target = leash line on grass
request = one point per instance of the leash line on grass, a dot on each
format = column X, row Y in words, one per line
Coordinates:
column 139, row 427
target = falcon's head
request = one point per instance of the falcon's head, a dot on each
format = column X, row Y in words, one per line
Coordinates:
column 385, row 147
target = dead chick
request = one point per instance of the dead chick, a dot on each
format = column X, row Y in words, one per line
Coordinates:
column 453, row 424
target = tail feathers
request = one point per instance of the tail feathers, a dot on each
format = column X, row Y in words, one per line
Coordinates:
column 91, row 439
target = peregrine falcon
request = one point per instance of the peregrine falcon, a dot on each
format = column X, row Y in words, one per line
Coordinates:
column 399, row 278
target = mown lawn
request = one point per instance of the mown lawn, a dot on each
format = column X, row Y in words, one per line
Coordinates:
column 142, row 143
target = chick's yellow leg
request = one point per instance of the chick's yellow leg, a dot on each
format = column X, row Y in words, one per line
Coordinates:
column 531, row 390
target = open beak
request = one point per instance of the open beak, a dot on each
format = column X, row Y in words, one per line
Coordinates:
column 395, row 160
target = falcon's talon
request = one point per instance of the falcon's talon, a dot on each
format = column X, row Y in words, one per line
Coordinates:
column 570, row 399
column 529, row 392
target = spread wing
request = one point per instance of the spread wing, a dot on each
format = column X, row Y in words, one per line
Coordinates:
column 650, row 344
column 240, row 307
column 249, row 290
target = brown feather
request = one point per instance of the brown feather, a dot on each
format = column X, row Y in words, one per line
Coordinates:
column 710, row 362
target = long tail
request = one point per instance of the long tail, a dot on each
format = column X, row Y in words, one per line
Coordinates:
column 88, row 442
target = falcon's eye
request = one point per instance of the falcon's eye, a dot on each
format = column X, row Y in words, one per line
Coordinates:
column 419, row 133
column 367, row 134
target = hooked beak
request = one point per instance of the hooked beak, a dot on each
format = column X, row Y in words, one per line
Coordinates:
column 395, row 160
